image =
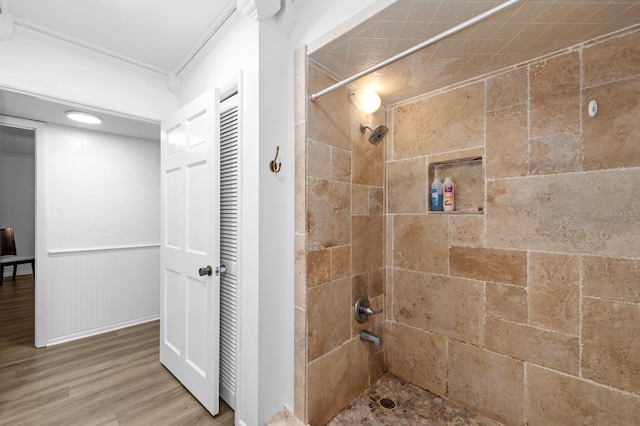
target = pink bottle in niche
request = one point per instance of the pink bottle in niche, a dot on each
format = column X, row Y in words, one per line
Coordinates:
column 449, row 195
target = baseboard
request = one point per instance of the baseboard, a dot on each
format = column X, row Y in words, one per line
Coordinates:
column 100, row 330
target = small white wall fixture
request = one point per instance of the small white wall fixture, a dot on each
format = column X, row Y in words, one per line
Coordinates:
column 258, row 9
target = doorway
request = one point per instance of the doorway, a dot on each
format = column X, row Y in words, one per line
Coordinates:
column 17, row 211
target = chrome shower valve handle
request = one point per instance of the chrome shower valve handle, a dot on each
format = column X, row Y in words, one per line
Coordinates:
column 362, row 309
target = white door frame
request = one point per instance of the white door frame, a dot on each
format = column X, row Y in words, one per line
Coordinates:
column 39, row 129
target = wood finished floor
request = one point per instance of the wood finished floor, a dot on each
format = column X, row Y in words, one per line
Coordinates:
column 111, row 379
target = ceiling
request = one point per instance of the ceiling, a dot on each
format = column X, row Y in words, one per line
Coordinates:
column 37, row 109
column 158, row 34
column 528, row 30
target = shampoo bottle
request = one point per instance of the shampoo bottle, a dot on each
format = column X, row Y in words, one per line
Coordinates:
column 436, row 195
column 449, row 195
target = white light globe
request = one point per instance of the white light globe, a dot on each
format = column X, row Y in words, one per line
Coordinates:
column 366, row 101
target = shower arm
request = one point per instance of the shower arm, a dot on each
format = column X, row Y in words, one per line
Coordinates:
column 428, row 42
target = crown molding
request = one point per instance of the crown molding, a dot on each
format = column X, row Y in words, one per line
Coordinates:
column 89, row 49
column 228, row 19
column 258, row 9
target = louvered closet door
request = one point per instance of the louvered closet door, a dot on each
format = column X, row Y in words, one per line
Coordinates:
column 228, row 247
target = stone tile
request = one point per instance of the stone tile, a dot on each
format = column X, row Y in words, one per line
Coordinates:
column 377, row 353
column 319, row 159
column 414, row 406
column 614, row 59
column 376, row 200
column 359, row 199
column 506, row 142
column 368, row 159
column 318, row 267
column 559, row 153
column 536, row 346
column 300, row 85
column 335, row 380
column 609, row 140
column 612, row 278
column 450, row 306
column 554, row 90
column 340, row 164
column 610, row 353
column 554, row 292
column 446, row 122
column 468, row 178
column 328, row 118
column 329, row 317
column 558, row 399
column 407, row 186
column 300, row 362
column 452, row 156
column 376, row 282
column 300, row 179
column 420, row 243
column 367, row 236
column 300, row 290
column 340, row 262
column 507, row 302
column 466, row 230
column 560, row 213
column 328, row 213
column 418, row 357
column 484, row 264
column 507, row 89
column 491, row 384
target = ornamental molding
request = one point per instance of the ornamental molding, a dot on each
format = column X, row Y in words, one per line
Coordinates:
column 258, row 10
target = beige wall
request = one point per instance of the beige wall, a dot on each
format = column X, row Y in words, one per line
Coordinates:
column 528, row 312
column 339, row 246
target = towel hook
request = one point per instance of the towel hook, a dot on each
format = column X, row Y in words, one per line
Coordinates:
column 274, row 165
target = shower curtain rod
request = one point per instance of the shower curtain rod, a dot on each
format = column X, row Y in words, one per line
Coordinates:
column 417, row 47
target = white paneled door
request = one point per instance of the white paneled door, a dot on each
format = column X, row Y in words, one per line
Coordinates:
column 190, row 248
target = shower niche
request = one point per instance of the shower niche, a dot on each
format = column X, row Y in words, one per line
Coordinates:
column 467, row 174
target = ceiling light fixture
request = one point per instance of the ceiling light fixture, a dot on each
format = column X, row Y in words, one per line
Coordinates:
column 84, row 117
column 366, row 101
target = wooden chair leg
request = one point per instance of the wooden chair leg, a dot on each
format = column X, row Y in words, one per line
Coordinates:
column 15, row 267
column 1, row 274
column 33, row 268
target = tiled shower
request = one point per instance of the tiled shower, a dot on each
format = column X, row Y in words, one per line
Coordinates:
column 524, row 305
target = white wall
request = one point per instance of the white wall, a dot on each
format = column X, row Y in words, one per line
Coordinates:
column 103, row 232
column 18, row 204
column 238, row 53
column 104, row 190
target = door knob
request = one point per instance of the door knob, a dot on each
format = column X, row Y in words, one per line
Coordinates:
column 205, row 271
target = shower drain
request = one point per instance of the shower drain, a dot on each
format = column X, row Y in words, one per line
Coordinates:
column 387, row 403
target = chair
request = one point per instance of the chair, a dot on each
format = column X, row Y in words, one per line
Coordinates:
column 8, row 254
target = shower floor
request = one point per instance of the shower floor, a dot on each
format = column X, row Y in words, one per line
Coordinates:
column 413, row 406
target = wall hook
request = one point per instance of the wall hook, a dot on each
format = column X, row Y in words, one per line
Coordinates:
column 274, row 165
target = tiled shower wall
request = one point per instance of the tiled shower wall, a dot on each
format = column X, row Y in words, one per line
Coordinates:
column 339, row 247
column 528, row 312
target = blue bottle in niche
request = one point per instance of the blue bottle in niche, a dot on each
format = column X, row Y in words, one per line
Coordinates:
column 436, row 195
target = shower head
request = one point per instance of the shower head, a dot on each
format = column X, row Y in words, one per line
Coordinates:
column 377, row 134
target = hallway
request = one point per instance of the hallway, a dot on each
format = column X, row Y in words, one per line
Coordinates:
column 110, row 379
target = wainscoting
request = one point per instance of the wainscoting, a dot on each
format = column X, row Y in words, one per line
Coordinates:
column 97, row 290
